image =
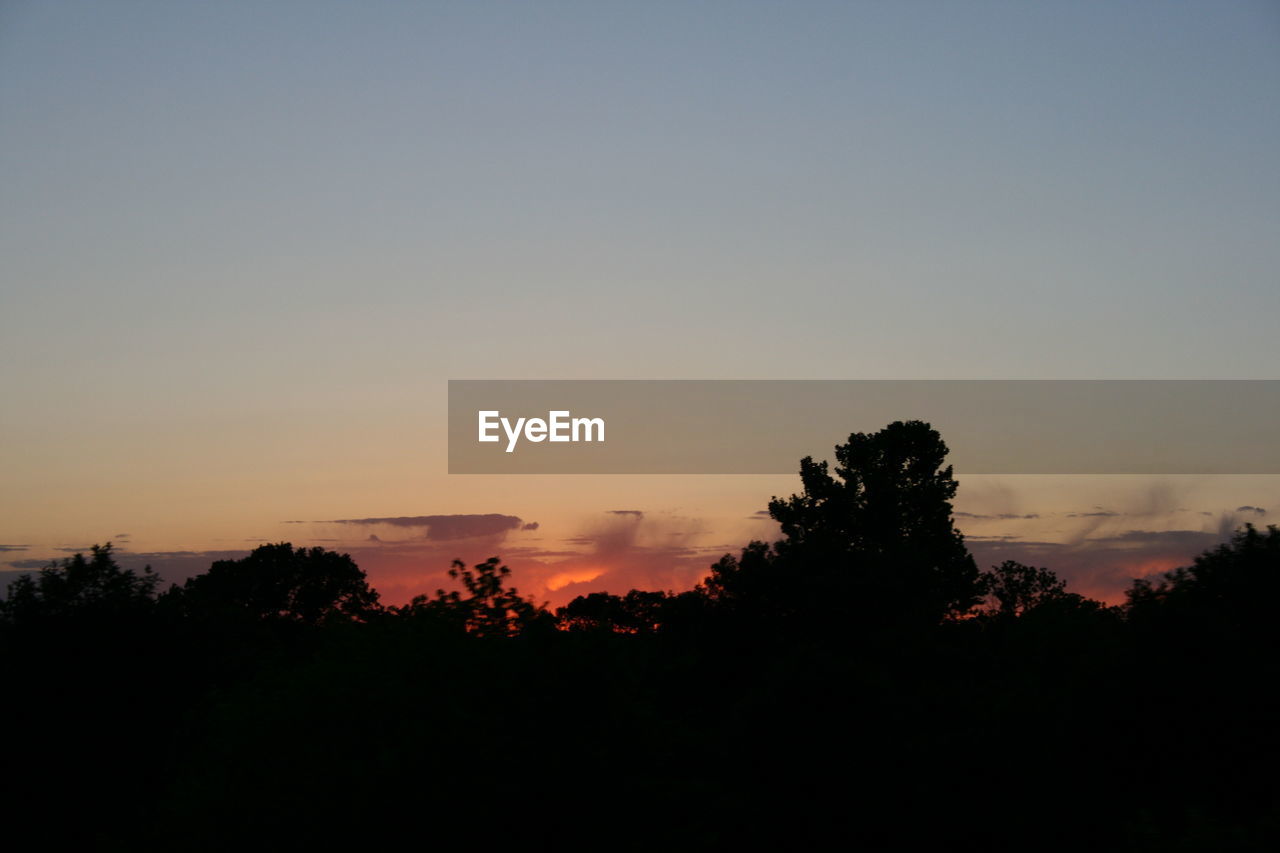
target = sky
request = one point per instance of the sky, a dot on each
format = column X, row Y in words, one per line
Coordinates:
column 243, row 247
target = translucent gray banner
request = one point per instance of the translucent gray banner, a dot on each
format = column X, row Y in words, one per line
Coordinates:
column 667, row 426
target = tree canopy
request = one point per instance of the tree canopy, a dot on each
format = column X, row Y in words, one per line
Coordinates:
column 875, row 537
column 1232, row 587
column 78, row 587
column 279, row 582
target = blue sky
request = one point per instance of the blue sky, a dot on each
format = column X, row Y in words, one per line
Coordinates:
column 241, row 240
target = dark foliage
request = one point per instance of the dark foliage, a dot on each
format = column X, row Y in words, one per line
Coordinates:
column 874, row 544
column 279, row 582
column 92, row 589
column 1229, row 591
column 856, row 684
column 489, row 608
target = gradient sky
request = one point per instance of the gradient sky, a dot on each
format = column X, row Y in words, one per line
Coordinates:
column 243, row 246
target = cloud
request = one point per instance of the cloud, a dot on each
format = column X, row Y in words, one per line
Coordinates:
column 606, row 551
column 7, row 548
column 1183, row 538
column 533, row 525
column 626, row 550
column 1099, row 550
column 442, row 528
column 1101, row 567
column 1256, row 510
column 28, row 564
column 637, row 513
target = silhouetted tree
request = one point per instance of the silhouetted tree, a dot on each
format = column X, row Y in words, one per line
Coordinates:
column 81, row 588
column 1013, row 588
column 755, row 581
column 1233, row 587
column 490, row 609
column 279, row 582
column 637, row 612
column 876, row 540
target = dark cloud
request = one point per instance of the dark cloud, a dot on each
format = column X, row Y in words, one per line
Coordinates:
column 28, row 564
column 6, row 548
column 443, row 527
column 1189, row 538
column 541, row 553
column 637, row 513
column 1256, row 510
column 1099, row 514
column 533, row 525
column 1002, row 516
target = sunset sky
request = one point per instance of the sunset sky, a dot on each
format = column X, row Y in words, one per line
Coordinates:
column 243, row 247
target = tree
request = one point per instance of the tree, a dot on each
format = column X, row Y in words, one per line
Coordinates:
column 637, row 612
column 82, row 588
column 490, row 609
column 877, row 539
column 1013, row 589
column 1231, row 588
column 278, row 582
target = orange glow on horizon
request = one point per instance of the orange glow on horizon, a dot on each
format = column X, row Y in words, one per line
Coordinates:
column 562, row 579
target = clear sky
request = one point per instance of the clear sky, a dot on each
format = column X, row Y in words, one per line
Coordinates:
column 244, row 245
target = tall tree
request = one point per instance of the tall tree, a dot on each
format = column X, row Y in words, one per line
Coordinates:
column 875, row 541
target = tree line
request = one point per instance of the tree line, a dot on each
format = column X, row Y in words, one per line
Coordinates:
column 860, row 678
